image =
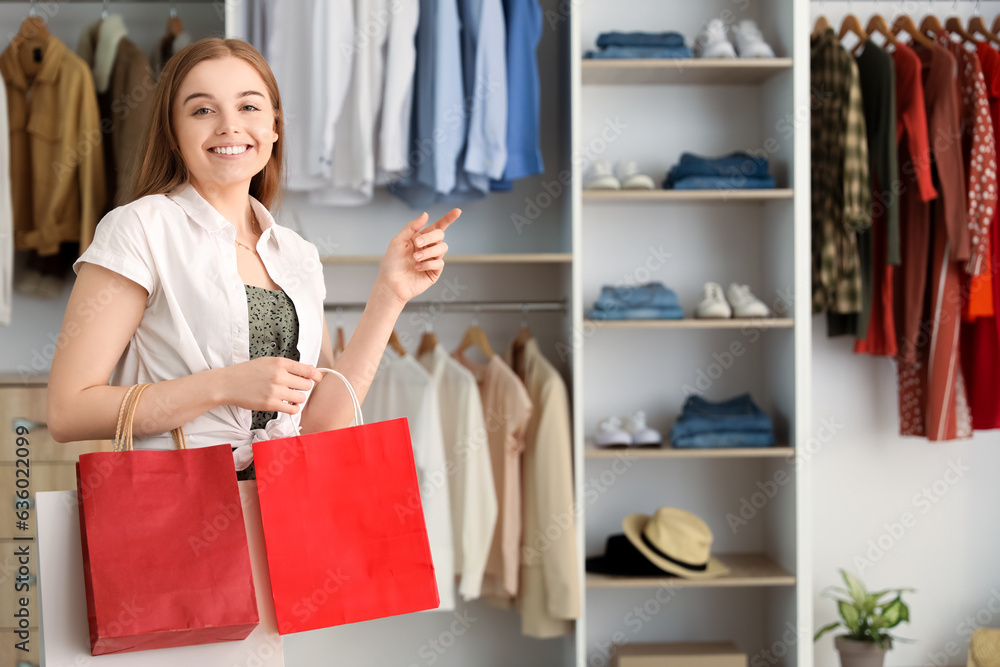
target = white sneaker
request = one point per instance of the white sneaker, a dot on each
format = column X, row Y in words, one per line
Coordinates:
column 599, row 177
column 628, row 174
column 610, row 434
column 744, row 303
column 711, row 42
column 713, row 304
column 641, row 434
column 750, row 42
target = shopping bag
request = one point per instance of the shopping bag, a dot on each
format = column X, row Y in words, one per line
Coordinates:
column 343, row 525
column 65, row 636
column 163, row 544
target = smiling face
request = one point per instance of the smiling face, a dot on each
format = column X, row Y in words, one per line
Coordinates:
column 224, row 122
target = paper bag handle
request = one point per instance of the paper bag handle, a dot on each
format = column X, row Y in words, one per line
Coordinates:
column 126, row 413
column 358, row 419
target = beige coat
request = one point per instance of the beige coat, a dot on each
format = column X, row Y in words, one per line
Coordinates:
column 57, row 170
column 549, row 592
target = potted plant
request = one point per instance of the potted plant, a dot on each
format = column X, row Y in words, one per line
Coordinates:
column 868, row 617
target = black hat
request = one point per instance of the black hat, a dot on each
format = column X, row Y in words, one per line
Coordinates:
column 622, row 558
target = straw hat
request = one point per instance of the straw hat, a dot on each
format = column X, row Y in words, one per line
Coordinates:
column 984, row 649
column 675, row 541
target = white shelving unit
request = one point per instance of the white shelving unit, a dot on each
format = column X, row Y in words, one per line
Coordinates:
column 683, row 239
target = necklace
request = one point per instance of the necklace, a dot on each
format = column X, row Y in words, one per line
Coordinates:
column 253, row 217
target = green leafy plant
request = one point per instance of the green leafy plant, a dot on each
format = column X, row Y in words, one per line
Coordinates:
column 866, row 616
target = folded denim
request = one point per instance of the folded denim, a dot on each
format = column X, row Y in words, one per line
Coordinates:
column 615, row 38
column 734, row 439
column 735, row 415
column 654, row 294
column 640, row 52
column 720, row 183
column 735, row 164
column 626, row 313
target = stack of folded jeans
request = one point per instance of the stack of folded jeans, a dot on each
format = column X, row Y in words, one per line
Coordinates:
column 652, row 301
column 640, row 45
column 737, row 422
column 736, row 171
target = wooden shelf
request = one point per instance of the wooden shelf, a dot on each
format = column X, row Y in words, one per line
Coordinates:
column 746, row 570
column 713, row 71
column 496, row 258
column 592, row 452
column 691, row 323
column 596, row 196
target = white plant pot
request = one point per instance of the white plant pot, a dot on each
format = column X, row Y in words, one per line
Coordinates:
column 854, row 653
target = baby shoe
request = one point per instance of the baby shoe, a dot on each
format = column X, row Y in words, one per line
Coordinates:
column 642, row 435
column 750, row 42
column 610, row 434
column 627, row 172
column 712, row 42
column 713, row 303
column 599, row 177
column 744, row 303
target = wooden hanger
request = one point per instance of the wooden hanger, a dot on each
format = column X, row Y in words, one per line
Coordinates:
column 428, row 342
column 31, row 40
column 878, row 24
column 396, row 345
column 822, row 25
column 905, row 24
column 953, row 24
column 931, row 25
column 995, row 28
column 338, row 343
column 474, row 335
column 849, row 25
column 977, row 26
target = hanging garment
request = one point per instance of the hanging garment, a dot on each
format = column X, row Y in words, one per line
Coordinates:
column 881, row 242
column 57, row 168
column 980, row 344
column 931, row 391
column 392, row 127
column 439, row 124
column 6, row 217
column 524, row 153
column 549, row 594
column 402, row 388
column 125, row 96
column 165, row 50
column 506, row 410
column 470, row 473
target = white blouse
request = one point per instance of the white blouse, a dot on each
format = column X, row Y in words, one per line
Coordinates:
column 182, row 252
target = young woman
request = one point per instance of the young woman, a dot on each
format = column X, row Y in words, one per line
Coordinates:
column 194, row 288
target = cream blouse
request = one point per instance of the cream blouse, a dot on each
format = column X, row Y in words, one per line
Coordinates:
column 181, row 251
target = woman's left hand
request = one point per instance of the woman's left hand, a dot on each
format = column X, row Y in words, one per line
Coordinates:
column 415, row 257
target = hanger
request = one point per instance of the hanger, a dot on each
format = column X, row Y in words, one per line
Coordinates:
column 106, row 10
column 977, row 26
column 429, row 340
column 339, row 344
column 822, row 25
column 905, row 24
column 995, row 28
column 953, row 24
column 878, row 24
column 31, row 38
column 517, row 347
column 931, row 25
column 849, row 25
column 174, row 25
column 474, row 335
column 396, row 345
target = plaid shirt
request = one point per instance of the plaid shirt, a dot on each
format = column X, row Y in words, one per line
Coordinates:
column 841, row 189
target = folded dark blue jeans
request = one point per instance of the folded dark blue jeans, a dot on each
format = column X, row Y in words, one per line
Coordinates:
column 735, row 164
column 639, row 52
column 615, row 38
column 738, row 414
column 719, row 183
column 651, row 313
column 734, row 439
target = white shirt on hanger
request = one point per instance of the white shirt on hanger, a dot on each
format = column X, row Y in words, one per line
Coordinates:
column 392, row 134
column 470, row 473
column 402, row 388
column 6, row 215
column 182, row 252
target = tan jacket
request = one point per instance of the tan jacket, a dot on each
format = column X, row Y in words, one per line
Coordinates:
column 549, row 592
column 124, row 84
column 57, row 170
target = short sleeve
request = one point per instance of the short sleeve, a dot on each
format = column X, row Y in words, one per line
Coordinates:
column 120, row 245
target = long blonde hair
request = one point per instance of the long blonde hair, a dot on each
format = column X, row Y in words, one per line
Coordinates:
column 161, row 168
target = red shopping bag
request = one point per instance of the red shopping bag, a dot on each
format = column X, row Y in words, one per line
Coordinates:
column 343, row 525
column 165, row 554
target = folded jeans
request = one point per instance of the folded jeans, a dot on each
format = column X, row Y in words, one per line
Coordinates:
column 719, row 183
column 615, row 38
column 734, row 439
column 653, row 294
column 639, row 52
column 642, row 313
column 739, row 163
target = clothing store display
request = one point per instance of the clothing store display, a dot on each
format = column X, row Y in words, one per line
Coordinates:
column 736, row 422
column 878, row 247
column 713, row 303
column 181, row 251
column 736, row 171
column 676, row 541
column 600, row 177
column 6, row 217
column 402, row 387
column 744, row 303
column 524, row 31
column 841, row 189
column 640, row 433
column 627, row 173
column 610, row 433
column 470, row 479
column 548, row 596
column 712, row 42
column 125, row 96
column 750, row 41
column 651, row 301
column 57, row 187
column 622, row 559
column 507, row 408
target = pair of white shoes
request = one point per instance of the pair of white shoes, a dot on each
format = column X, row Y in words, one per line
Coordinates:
column 625, row 176
column 737, row 302
column 748, row 42
column 611, row 432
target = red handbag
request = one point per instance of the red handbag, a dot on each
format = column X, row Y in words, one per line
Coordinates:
column 165, row 554
column 344, row 525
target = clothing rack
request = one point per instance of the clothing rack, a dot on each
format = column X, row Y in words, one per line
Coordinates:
column 465, row 306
